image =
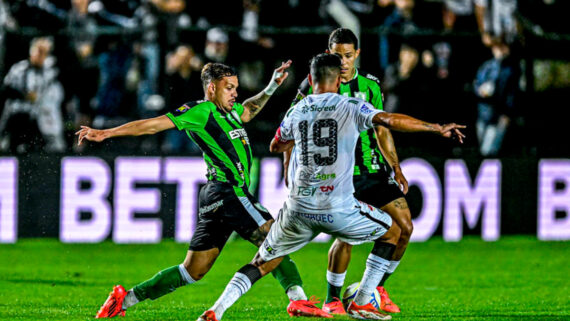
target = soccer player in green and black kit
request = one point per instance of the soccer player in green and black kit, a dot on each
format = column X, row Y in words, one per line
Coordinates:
column 375, row 154
column 215, row 124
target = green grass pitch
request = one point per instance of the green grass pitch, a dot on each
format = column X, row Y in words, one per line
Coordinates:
column 515, row 278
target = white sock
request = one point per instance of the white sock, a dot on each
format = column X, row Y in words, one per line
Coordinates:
column 375, row 269
column 237, row 287
column 393, row 266
column 130, row 300
column 185, row 275
column 296, row 293
column 336, row 279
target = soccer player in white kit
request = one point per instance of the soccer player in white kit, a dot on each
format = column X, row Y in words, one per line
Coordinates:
column 325, row 127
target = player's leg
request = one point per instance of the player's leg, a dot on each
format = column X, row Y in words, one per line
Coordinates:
column 254, row 226
column 377, row 264
column 278, row 243
column 338, row 259
column 209, row 238
column 401, row 216
column 367, row 223
column 391, row 201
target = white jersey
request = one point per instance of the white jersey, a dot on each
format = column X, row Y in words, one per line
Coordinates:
column 325, row 128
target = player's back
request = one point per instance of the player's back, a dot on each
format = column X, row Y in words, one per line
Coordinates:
column 325, row 128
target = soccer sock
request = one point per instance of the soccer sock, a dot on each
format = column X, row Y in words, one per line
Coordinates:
column 130, row 300
column 391, row 269
column 163, row 283
column 375, row 269
column 287, row 274
column 335, row 281
column 296, row 293
column 238, row 286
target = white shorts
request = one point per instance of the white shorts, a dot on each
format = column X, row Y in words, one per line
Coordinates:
column 292, row 230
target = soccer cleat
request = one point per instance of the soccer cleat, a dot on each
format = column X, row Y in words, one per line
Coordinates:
column 385, row 303
column 334, row 307
column 365, row 312
column 113, row 306
column 208, row 316
column 306, row 308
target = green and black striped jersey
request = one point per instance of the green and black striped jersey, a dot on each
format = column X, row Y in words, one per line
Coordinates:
column 365, row 86
column 220, row 136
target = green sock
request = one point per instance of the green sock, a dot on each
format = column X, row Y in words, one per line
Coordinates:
column 161, row 283
column 287, row 274
column 386, row 276
column 332, row 292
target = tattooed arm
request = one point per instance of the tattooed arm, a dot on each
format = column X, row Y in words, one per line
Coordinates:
column 386, row 144
column 252, row 106
column 404, row 123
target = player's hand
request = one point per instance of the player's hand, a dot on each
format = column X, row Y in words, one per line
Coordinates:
column 94, row 135
column 400, row 179
column 452, row 131
column 280, row 74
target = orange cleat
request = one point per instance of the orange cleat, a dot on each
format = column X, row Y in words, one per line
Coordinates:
column 208, row 316
column 306, row 308
column 334, row 307
column 365, row 312
column 113, row 306
column 385, row 303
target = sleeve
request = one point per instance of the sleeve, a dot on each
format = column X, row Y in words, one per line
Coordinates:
column 375, row 92
column 304, row 90
column 285, row 131
column 363, row 113
column 188, row 118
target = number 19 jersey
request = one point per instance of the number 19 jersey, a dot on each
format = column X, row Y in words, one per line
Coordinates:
column 325, row 128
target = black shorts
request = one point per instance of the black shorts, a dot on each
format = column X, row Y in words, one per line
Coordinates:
column 225, row 208
column 378, row 189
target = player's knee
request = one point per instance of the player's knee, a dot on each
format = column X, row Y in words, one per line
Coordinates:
column 339, row 247
column 393, row 234
column 406, row 230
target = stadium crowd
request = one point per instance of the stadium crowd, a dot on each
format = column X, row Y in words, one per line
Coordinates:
column 104, row 62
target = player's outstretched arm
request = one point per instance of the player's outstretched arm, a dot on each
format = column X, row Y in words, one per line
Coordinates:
column 253, row 105
column 404, row 123
column 135, row 128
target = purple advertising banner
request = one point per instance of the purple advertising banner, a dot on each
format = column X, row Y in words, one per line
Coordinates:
column 147, row 199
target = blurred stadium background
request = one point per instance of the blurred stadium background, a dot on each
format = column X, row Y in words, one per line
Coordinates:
column 501, row 67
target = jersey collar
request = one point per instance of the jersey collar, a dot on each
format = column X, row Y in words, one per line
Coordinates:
column 354, row 77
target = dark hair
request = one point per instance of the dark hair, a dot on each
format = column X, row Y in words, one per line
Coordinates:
column 325, row 67
column 343, row 35
column 215, row 71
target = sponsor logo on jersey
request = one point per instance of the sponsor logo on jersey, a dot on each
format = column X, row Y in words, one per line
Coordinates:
column 371, row 77
column 305, row 109
column 239, row 166
column 326, row 189
column 241, row 134
column 323, row 218
column 306, row 191
column 360, row 95
column 211, row 207
column 365, row 109
column 303, row 175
